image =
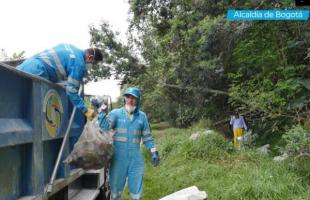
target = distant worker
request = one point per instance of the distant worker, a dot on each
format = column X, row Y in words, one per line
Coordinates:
column 238, row 126
column 131, row 126
column 67, row 63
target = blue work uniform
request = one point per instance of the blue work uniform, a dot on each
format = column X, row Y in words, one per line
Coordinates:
column 127, row 160
column 64, row 62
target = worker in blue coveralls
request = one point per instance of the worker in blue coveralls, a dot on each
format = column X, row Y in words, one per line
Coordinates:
column 64, row 62
column 130, row 126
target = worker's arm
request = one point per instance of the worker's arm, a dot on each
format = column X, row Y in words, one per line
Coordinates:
column 244, row 124
column 148, row 141
column 107, row 121
column 72, row 86
column 231, row 126
column 231, row 120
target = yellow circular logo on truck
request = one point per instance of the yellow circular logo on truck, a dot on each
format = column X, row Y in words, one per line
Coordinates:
column 53, row 110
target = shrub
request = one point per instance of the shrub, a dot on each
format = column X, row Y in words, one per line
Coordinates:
column 173, row 140
column 301, row 166
column 207, row 147
column 203, row 123
column 297, row 141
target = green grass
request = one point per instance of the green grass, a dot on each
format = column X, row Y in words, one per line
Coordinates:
column 160, row 126
column 213, row 166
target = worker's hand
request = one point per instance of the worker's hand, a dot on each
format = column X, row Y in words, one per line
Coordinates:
column 155, row 158
column 95, row 102
column 103, row 108
column 89, row 114
column 99, row 103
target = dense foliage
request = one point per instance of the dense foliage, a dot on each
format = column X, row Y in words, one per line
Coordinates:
column 191, row 63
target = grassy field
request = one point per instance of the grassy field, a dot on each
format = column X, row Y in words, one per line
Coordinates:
column 211, row 164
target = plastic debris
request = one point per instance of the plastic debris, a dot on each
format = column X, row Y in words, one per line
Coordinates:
column 190, row 193
column 196, row 135
column 94, row 148
column 281, row 157
column 264, row 149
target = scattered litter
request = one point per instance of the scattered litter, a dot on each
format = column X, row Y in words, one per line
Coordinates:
column 194, row 136
column 208, row 131
column 264, row 149
column 190, row 193
column 281, row 158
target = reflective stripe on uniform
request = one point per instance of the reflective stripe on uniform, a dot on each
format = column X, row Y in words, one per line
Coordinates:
column 135, row 196
column 119, row 139
column 116, row 195
column 74, row 81
column 147, row 139
column 71, row 89
column 58, row 63
column 121, row 130
column 136, row 140
column 45, row 58
column 68, row 48
column 136, row 132
column 146, row 132
column 153, row 149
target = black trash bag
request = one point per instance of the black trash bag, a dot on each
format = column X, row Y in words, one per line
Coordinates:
column 94, row 148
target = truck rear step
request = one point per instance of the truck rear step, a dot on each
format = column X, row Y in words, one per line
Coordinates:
column 86, row 194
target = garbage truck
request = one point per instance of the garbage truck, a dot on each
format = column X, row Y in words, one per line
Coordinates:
column 34, row 115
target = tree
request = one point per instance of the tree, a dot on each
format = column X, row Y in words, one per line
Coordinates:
column 118, row 59
column 15, row 56
column 191, row 63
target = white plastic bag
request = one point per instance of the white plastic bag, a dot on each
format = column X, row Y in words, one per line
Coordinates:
column 190, row 193
column 94, row 149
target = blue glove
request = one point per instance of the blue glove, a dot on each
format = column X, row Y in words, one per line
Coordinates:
column 99, row 103
column 95, row 102
column 155, row 158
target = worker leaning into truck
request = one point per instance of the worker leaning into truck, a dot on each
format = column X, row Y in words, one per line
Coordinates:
column 238, row 126
column 130, row 126
column 64, row 62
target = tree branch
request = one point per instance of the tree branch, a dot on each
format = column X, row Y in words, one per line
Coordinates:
column 208, row 90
